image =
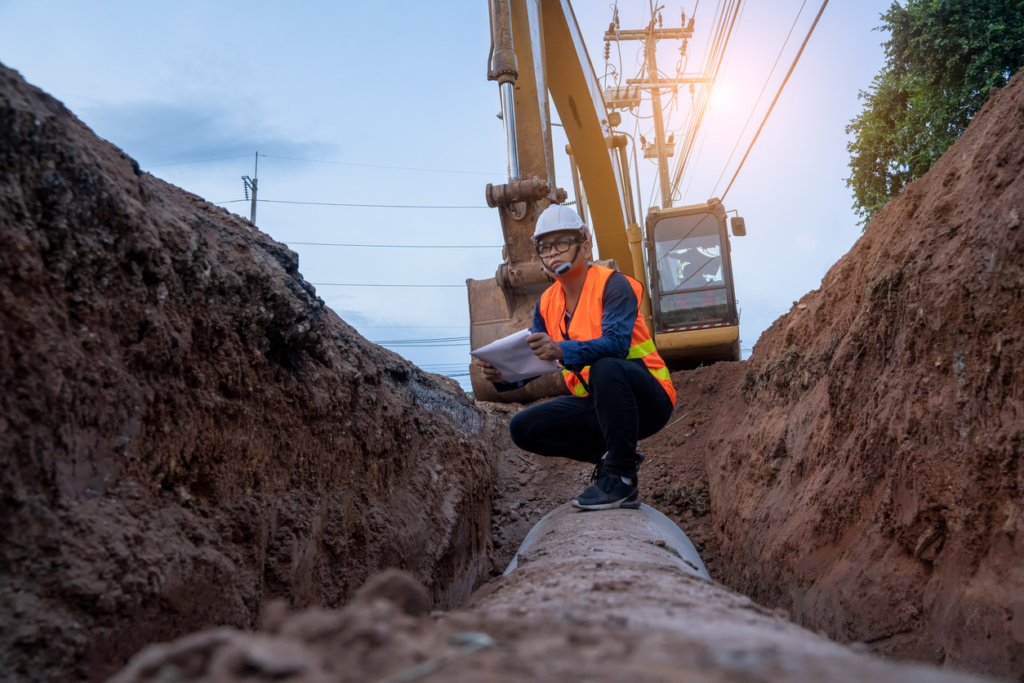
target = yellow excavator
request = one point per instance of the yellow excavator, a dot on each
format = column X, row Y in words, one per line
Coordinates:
column 681, row 255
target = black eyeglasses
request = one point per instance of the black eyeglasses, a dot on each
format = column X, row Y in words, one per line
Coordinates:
column 559, row 246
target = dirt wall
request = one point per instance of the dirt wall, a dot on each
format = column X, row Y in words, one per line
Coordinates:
column 186, row 430
column 865, row 463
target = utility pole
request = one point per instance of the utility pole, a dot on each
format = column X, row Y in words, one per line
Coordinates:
column 251, row 184
column 659, row 123
column 629, row 95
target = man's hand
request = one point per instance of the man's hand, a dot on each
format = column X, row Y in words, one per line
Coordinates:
column 490, row 373
column 544, row 347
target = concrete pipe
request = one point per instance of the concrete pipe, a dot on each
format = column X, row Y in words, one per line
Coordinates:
column 633, row 579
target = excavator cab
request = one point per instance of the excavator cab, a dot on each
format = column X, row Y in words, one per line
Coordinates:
column 693, row 299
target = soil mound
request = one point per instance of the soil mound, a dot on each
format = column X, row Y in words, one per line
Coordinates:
column 865, row 463
column 187, row 431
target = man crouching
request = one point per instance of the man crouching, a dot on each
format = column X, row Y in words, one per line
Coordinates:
column 589, row 321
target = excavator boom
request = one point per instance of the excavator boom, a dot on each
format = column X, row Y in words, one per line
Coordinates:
column 527, row 35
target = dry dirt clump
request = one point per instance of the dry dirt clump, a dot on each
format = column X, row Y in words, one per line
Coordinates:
column 187, row 431
column 865, row 464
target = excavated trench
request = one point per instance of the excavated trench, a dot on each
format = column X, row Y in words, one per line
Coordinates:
column 195, row 443
column 604, row 596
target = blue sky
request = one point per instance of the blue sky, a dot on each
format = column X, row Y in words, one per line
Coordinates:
column 403, row 84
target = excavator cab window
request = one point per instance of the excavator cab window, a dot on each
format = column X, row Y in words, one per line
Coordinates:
column 690, row 271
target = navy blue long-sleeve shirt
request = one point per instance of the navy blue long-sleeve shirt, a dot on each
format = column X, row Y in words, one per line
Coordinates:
column 619, row 309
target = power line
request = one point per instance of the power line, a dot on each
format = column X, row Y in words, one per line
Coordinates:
column 714, row 51
column 322, row 161
column 401, row 246
column 715, row 56
column 422, row 346
column 367, row 206
column 419, row 346
column 398, row 168
column 710, row 107
column 772, row 106
column 434, row 340
column 759, row 96
column 197, row 161
column 350, row 284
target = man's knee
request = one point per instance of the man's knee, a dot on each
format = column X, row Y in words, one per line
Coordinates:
column 518, row 429
column 604, row 369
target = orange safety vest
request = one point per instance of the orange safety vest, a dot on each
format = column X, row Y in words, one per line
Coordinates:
column 586, row 325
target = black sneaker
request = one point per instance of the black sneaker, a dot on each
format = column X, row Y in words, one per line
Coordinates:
column 609, row 492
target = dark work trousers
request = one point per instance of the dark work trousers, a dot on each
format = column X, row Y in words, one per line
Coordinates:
column 625, row 404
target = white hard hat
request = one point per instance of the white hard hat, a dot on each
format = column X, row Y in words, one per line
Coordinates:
column 556, row 218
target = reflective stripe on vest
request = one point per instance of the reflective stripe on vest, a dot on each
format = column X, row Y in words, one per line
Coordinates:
column 586, row 325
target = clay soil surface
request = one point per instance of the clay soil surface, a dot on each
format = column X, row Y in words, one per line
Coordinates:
column 861, row 472
column 864, row 466
column 187, row 431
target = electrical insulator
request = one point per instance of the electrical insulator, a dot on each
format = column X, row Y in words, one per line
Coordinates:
column 682, row 22
column 615, row 16
column 643, row 141
column 659, row 20
column 611, row 27
column 607, row 50
column 691, row 90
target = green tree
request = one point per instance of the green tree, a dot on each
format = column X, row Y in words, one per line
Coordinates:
column 942, row 57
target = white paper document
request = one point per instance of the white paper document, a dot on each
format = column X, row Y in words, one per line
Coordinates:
column 514, row 358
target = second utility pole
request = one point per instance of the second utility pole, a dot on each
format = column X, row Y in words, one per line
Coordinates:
column 251, row 184
column 650, row 37
column 659, row 123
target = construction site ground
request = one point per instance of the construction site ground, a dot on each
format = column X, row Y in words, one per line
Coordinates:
column 209, row 476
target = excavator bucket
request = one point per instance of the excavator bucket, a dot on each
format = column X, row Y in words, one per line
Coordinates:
column 495, row 315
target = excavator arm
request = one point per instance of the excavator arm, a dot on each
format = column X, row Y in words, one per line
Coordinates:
column 537, row 50
column 577, row 96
